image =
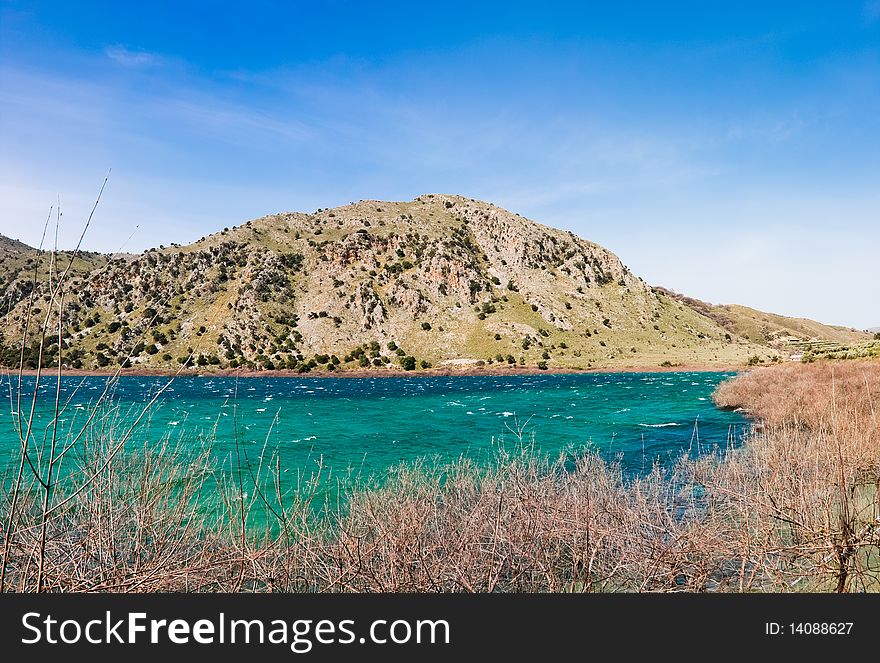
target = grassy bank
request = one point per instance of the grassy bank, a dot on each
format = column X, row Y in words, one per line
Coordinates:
column 795, row 508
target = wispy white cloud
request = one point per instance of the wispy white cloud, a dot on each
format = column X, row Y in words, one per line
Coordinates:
column 770, row 129
column 234, row 122
column 132, row 58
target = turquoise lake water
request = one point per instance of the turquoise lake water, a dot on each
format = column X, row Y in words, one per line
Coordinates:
column 365, row 425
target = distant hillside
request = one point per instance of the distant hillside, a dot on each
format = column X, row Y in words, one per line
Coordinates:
column 10, row 247
column 768, row 328
column 21, row 265
column 441, row 281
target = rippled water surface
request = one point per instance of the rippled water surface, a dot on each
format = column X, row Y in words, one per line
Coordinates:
column 365, row 425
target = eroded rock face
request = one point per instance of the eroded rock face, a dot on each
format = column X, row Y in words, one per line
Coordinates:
column 369, row 307
column 444, row 277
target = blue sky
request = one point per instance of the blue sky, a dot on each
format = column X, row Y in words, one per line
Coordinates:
column 731, row 153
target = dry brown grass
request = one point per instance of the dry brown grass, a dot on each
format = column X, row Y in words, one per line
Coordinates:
column 808, row 480
column 818, row 395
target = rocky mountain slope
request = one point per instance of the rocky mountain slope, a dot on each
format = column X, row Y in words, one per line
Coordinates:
column 22, row 266
column 440, row 281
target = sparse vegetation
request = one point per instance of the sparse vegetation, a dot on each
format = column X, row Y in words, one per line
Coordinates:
column 273, row 291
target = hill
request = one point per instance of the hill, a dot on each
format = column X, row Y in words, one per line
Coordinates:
column 440, row 280
column 21, row 266
column 769, row 329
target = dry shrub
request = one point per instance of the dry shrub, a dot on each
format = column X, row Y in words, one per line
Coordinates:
column 807, row 479
column 149, row 516
column 523, row 526
column 816, row 395
column 132, row 527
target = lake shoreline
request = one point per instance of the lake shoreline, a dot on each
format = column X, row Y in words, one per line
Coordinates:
column 471, row 371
